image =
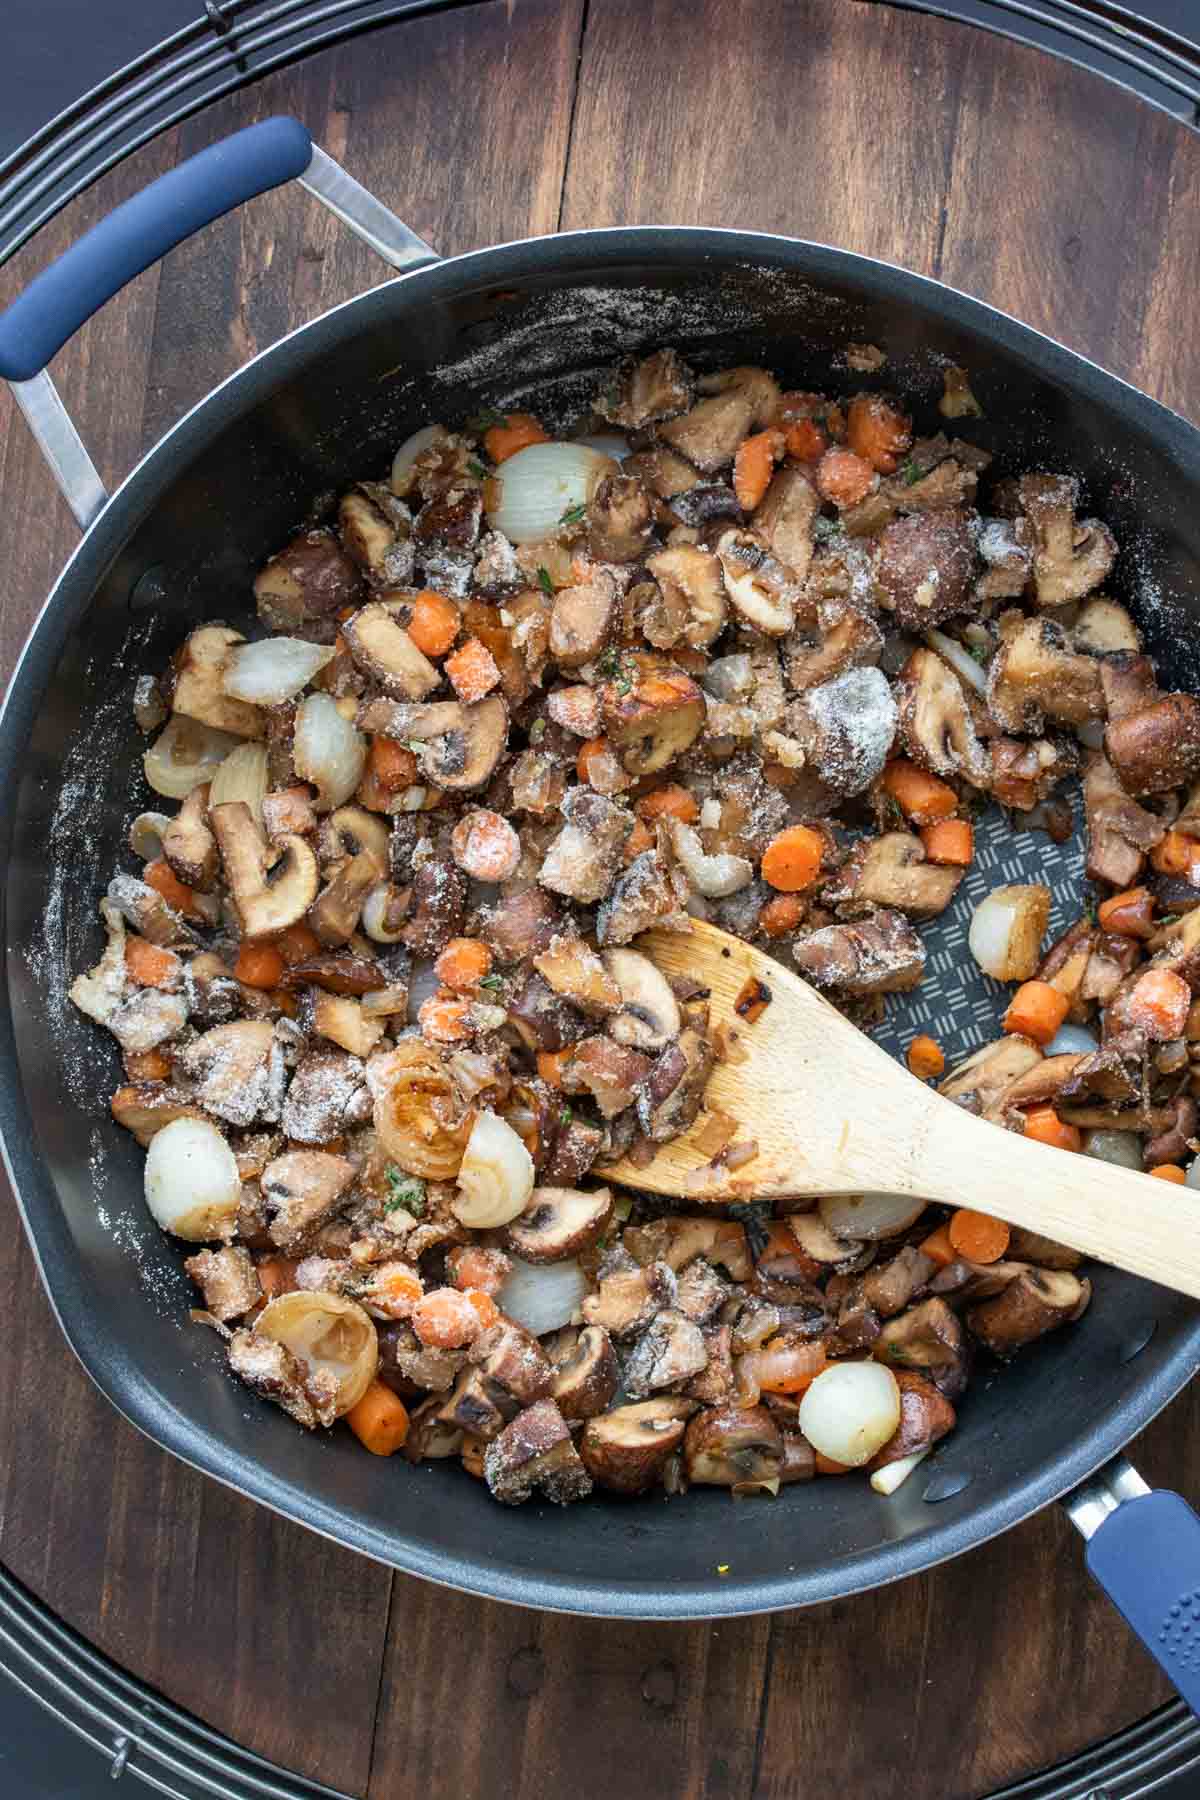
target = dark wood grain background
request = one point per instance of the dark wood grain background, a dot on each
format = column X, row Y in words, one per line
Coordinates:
column 1032, row 184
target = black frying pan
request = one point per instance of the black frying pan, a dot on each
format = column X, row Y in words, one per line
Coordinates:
column 180, row 541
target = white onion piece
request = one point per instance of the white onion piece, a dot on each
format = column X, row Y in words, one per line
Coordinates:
column 242, row 776
column 496, row 1176
column 331, row 1335
column 328, row 751
column 850, row 1411
column 185, row 752
column 192, row 1184
column 1091, row 733
column 869, row 1216
column 375, row 913
column 408, row 453
column 542, row 482
column 959, row 658
column 1006, row 929
column 894, row 1474
column 423, row 983
column 544, row 1296
column 1124, row 1148
column 1072, row 1040
column 607, row 443
column 274, row 670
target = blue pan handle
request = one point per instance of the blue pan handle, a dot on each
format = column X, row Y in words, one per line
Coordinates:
column 59, row 300
column 1143, row 1547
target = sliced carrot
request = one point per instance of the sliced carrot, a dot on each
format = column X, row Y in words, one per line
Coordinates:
column 844, row 478
column 259, row 966
column 391, row 765
column 925, row 1057
column 920, row 796
column 1036, row 1011
column 518, row 431
column 805, row 441
column 1175, row 854
column 484, row 845
column 434, row 624
column 792, row 859
column 162, row 878
column 1169, row 1172
column 472, row 671
column 379, row 1420
column 977, row 1236
column 825, row 1465
column 551, row 1065
column 445, row 1319
column 938, row 1246
column 297, row 943
column 877, row 431
column 463, row 964
column 444, row 1018
column 1159, row 1004
column 950, row 842
column 754, row 465
column 672, row 801
column 781, row 915
column 484, row 1305
column 472, row 1266
column 1130, row 914
column 1043, row 1124
column 640, row 838
column 594, row 747
column 277, row 1275
column 149, row 965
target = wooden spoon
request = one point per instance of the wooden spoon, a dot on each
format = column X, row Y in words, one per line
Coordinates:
column 833, row 1113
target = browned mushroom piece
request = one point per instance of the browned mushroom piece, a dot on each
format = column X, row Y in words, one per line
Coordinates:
column 652, row 712
column 626, row 1450
column 327, row 1095
column 702, row 1292
column 627, row 1298
column 732, row 1446
column 1171, row 1145
column 852, row 641
column 144, row 908
column 144, row 1107
column 1130, row 684
column 444, row 535
column 228, row 1281
column 662, row 471
column 194, row 683
column 925, row 1416
column 890, row 1287
column 644, row 392
column 758, row 384
column 1158, row 747
column 763, row 591
column 647, row 1016
column 520, row 924
column 335, row 913
column 846, row 728
column 1031, row 1247
column 936, row 722
column 337, row 972
column 270, row 1369
column 385, row 653
column 584, row 620
column 535, row 1451
column 188, row 845
column 669, row 1352
column 720, row 1241
column 375, row 527
column 513, row 1361
column 1104, row 628
column 704, row 503
column 620, row 520
column 1120, row 833
column 304, row 587
column 586, row 1379
column 690, row 606
column 891, row 871
column 709, row 434
column 559, row 1223
column 1036, row 1302
column 574, row 970
column 463, row 756
column 924, row 565
column 478, row 1406
column 438, row 906
column 1006, row 548
column 673, row 1091
column 1039, row 1086
column 650, row 892
column 879, row 954
column 342, row 1021
column 574, row 1148
column 582, row 860
column 785, row 516
column 980, row 1083
column 1035, row 674
column 272, row 885
column 611, row 1073
column 928, row 1337
column 544, row 1019
column 301, row 1189
column 1071, row 557
column 237, row 1070
column 1026, row 773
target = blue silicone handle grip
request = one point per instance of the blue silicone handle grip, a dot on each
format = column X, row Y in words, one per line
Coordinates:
column 1146, row 1556
column 59, row 300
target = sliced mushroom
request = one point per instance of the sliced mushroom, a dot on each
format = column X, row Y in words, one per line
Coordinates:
column 465, row 756
column 726, row 1446
column 889, row 1287
column 928, row 1337
column 573, row 969
column 669, row 1352
column 1120, row 833
column 785, row 518
column 620, row 519
column 611, row 1073
column 924, row 566
column 545, row 1019
column 852, row 641
column 936, row 722
column 846, row 728
column 761, row 589
column 662, row 471
column 649, row 892
column 558, row 1223
column 144, row 1107
column 880, row 954
column 351, row 830
column 649, row 1016
column 385, row 653
column 892, row 871
column 305, row 586
column 720, row 1241
column 513, row 1361
column 673, row 1091
column 343, row 972
column 334, row 915
column 535, row 1451
column 1071, row 557
column 273, row 885
column 652, row 712
column 584, row 619
column 196, row 689
column 816, row 1240
column 376, row 531
column 702, row 504
column 710, row 433
column 144, row 908
column 1035, row 674
column 1104, row 628
column 643, row 393
column 980, row 1083
column 702, row 1292
column 586, row 1379
column 1036, row 1302
column 301, row 1189
column 520, row 925
column 478, row 1406
column 1158, row 747
column 627, row 1298
column 693, row 599
column 238, row 1071
column 188, row 845
column 582, row 860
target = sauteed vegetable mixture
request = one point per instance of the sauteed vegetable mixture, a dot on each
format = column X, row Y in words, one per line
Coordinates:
column 725, row 652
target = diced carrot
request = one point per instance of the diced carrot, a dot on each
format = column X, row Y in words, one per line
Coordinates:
column 925, row 1057
column 805, row 441
column 445, row 1319
column 754, row 465
column 977, row 1236
column 146, row 1065
column 1169, row 1172
column 552, row 1063
column 950, row 842
column 277, row 1275
column 149, row 965
column 472, row 671
column 938, row 1247
column 792, row 859
column 1130, row 914
column 594, row 747
column 920, row 796
column 1043, row 1124
column 391, row 765
column 672, row 801
column 484, row 1305
column 1174, row 854
column 877, row 431
column 844, row 478
column 518, row 431
column 781, row 915
column 434, row 624
column 1159, row 1004
column 297, row 943
column 640, row 838
column 484, row 844
column 1036, row 1011
column 825, row 1465
column 259, row 966
column 444, row 1018
column 162, row 878
column 664, row 690
column 398, row 1291
column 472, row 1266
column 379, row 1420
column 463, row 964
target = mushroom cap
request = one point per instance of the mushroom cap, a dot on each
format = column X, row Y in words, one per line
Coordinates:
column 558, row 1222
column 625, row 1450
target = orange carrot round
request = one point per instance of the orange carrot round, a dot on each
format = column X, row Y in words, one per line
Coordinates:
column 1159, row 1004
column 925, row 1057
column 977, row 1236
column 162, row 878
column 484, row 844
column 877, row 431
column 754, row 465
column 445, row 1319
column 379, row 1420
column 920, row 796
column 434, row 624
column 1043, row 1124
column 1036, row 1011
column 484, row 1305
column 844, row 478
column 473, row 1266
column 597, row 746
column 463, row 964
column 149, row 965
column 519, row 430
column 938, row 1247
column 672, row 801
column 781, row 915
column 259, row 966
column 551, row 1065
column 950, row 842
column 805, row 441
column 792, row 860
column 1169, row 1172
column 392, row 766
column 444, row 1018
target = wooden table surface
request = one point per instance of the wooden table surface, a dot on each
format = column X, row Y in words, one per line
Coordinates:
column 1032, row 184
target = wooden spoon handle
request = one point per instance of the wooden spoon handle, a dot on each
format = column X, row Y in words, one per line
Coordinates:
column 1151, row 1228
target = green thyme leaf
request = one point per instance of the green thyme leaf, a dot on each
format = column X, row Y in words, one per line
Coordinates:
column 609, row 663
column 573, row 515
column 493, row 983
column 537, row 731
column 544, row 581
column 485, row 419
column 910, row 472
column 1170, row 919
column 979, row 652
column 826, row 529
column 476, row 467
column 405, row 1191
column 565, row 1116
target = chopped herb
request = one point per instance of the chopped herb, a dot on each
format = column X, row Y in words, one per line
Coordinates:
column 406, row 1191
column 826, row 529
column 609, row 663
column 891, row 813
column 476, row 467
column 1170, row 919
column 565, row 1116
column 910, row 472
column 601, row 1243
column 485, row 419
column 1091, row 915
column 544, row 581
column 573, row 514
column 979, row 652
column 537, row 731
column 416, row 745
column 494, row 983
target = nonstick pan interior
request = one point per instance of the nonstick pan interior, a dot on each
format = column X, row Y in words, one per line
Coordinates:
column 534, row 323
